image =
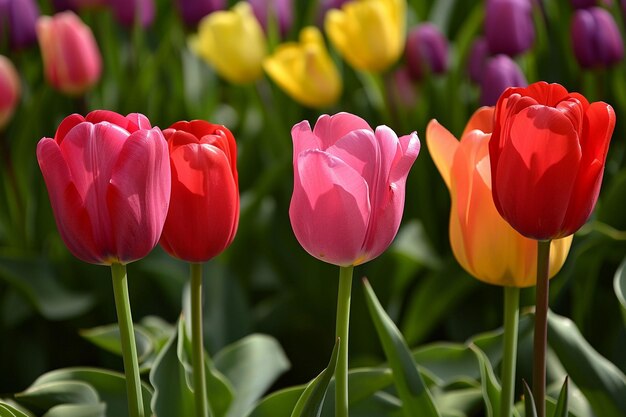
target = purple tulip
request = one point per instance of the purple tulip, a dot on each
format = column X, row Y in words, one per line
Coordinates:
column 126, row 11
column 426, row 51
column 282, row 11
column 509, row 26
column 596, row 39
column 500, row 72
column 192, row 11
column 75, row 5
column 17, row 20
column 477, row 57
column 583, row 4
column 325, row 5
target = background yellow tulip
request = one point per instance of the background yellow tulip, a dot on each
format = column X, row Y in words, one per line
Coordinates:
column 369, row 34
column 482, row 242
column 232, row 42
column 305, row 70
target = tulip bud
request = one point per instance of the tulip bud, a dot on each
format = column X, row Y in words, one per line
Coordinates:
column 478, row 55
column 509, row 26
column 426, row 51
column 232, row 41
column 70, row 53
column 17, row 20
column 500, row 73
column 127, row 11
column 278, row 11
column 9, row 90
column 305, row 70
column 192, row 11
column 596, row 39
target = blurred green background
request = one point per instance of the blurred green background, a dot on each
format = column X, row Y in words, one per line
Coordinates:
column 265, row 282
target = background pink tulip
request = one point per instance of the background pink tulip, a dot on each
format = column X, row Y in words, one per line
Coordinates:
column 349, row 187
column 70, row 53
column 10, row 89
column 108, row 178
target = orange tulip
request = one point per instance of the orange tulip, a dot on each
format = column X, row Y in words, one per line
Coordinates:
column 482, row 241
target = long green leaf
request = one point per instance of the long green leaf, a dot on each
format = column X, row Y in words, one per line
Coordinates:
column 45, row 396
column 602, row 382
column 489, row 383
column 416, row 399
column 8, row 410
column 529, row 401
column 619, row 284
column 562, row 403
column 310, row 402
column 77, row 410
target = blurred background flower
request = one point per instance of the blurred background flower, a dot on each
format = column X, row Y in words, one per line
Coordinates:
column 426, row 51
column 276, row 12
column 17, row 22
column 499, row 73
column 596, row 39
column 10, row 89
column 509, row 26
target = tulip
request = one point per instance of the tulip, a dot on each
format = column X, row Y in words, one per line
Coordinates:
column 479, row 52
column 548, row 151
column 128, row 12
column 324, row 6
column 509, row 26
column 108, row 178
column 62, row 5
column 402, row 89
column 369, row 34
column 192, row 11
column 233, row 43
column 426, row 51
column 17, row 20
column 280, row 11
column 305, row 70
column 348, row 193
column 204, row 206
column 10, row 89
column 583, row 4
column 70, row 53
column 596, row 39
column 500, row 72
column 483, row 243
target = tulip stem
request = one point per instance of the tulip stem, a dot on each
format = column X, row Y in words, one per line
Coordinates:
column 199, row 380
column 343, row 325
column 541, row 326
column 127, row 337
column 511, row 321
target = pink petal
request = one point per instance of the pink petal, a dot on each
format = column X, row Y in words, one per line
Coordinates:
column 329, row 208
column 137, row 121
column 66, row 125
column 329, row 129
column 303, row 139
column 139, row 193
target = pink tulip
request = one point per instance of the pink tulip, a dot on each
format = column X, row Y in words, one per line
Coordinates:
column 349, row 186
column 108, row 178
column 70, row 53
column 9, row 90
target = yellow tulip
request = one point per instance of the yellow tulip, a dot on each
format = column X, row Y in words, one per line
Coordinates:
column 369, row 34
column 232, row 42
column 305, row 70
column 482, row 242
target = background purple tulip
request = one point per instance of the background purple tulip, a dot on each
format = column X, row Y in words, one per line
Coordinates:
column 596, row 39
column 477, row 57
column 282, row 10
column 126, row 10
column 17, row 20
column 192, row 11
column 509, row 26
column 500, row 72
column 426, row 51
column 583, row 4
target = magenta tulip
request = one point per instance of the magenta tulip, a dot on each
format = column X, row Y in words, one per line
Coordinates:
column 108, row 178
column 349, row 187
column 509, row 26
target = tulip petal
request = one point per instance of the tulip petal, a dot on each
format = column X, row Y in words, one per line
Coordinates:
column 442, row 146
column 97, row 116
column 540, row 169
column 202, row 218
column 406, row 155
column 72, row 219
column 482, row 120
column 329, row 209
column 303, row 139
column 139, row 193
column 329, row 129
column 66, row 125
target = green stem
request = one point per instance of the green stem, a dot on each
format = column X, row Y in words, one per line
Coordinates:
column 511, row 321
column 199, row 381
column 127, row 337
column 343, row 325
column 541, row 326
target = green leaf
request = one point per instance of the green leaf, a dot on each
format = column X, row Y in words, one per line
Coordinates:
column 310, row 402
column 34, row 279
column 251, row 364
column 416, row 399
column 529, row 401
column 562, row 403
column 458, row 401
column 489, row 383
column 78, row 410
column 619, row 284
column 8, row 410
column 110, row 386
column 107, row 337
column 45, row 396
column 602, row 382
column 278, row 404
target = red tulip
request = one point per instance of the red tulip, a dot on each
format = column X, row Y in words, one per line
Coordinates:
column 70, row 53
column 548, row 150
column 108, row 179
column 204, row 208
